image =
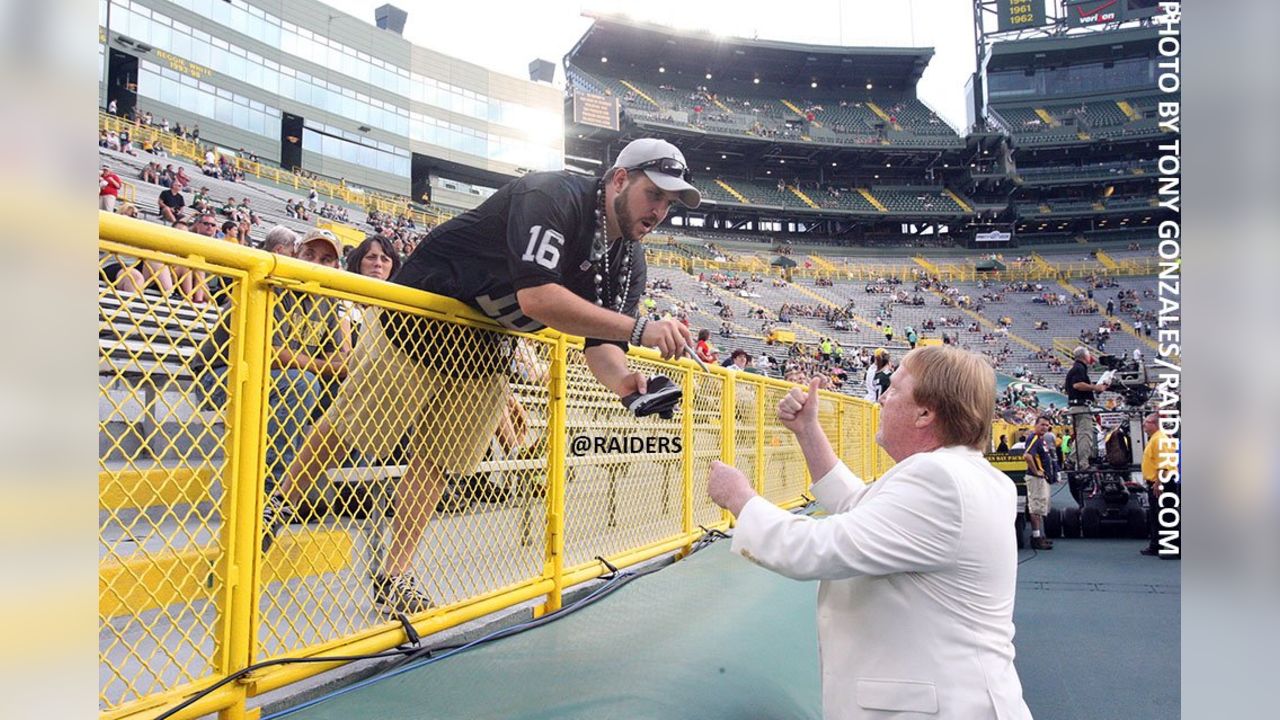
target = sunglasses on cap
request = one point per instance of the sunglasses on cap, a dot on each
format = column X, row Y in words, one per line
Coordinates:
column 667, row 166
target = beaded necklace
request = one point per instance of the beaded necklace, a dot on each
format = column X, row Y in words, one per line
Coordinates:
column 600, row 259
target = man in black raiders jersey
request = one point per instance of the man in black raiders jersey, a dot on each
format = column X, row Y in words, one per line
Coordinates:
column 550, row 249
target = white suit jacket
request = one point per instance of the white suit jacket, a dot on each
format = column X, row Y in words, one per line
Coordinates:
column 915, row 607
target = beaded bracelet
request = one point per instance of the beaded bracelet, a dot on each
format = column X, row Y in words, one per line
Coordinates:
column 637, row 332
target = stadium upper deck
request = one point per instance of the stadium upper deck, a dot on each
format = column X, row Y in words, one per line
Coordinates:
column 303, row 85
column 1082, row 116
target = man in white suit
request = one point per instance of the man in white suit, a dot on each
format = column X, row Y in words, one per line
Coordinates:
column 915, row 607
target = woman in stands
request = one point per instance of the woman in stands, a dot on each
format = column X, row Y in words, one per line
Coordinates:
column 706, row 351
column 375, row 258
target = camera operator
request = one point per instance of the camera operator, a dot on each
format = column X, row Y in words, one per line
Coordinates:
column 1080, row 395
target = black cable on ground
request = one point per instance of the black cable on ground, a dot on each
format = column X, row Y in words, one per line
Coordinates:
column 417, row 656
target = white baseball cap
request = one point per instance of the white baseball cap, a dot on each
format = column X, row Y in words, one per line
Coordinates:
column 325, row 236
column 664, row 164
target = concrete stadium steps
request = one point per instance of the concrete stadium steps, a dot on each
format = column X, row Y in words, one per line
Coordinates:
column 733, row 192
column 867, row 307
column 1025, row 313
column 803, row 197
column 267, row 203
column 685, row 287
column 1127, row 327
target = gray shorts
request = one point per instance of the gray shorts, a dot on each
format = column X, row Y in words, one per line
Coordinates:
column 1037, row 495
column 450, row 420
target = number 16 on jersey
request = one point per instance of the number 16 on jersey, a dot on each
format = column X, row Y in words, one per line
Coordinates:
column 544, row 247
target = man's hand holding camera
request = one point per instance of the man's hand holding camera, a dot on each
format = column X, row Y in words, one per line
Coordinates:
column 668, row 337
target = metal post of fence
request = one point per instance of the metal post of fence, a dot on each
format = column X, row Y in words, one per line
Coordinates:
column 686, row 457
column 247, row 379
column 758, row 480
column 874, row 448
column 557, row 416
column 841, row 406
column 728, row 425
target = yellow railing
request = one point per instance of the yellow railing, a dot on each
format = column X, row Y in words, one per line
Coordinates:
column 335, row 191
column 204, row 407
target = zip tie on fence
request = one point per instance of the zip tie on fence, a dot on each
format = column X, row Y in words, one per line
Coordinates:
column 410, row 632
column 613, row 571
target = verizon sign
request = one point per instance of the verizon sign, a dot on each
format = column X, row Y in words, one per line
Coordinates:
column 1086, row 13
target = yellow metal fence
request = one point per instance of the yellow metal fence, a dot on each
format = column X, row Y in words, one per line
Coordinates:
column 419, row 439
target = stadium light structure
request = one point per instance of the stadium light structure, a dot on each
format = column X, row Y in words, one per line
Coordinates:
column 542, row 71
column 390, row 17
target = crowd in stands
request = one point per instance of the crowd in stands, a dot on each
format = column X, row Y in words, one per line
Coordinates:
column 236, row 220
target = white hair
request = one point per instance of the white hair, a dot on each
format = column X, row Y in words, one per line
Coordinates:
column 279, row 236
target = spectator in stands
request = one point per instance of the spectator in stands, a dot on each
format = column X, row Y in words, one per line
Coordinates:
column 192, row 280
column 1042, row 470
column 136, row 278
column 549, row 249
column 109, row 185
column 739, row 360
column 201, row 202
column 246, row 213
column 707, row 352
column 231, row 232
column 878, row 370
column 309, row 351
column 128, row 209
column 1003, row 445
column 171, row 202
column 150, row 173
column 930, row 540
column 280, row 240
column 375, row 258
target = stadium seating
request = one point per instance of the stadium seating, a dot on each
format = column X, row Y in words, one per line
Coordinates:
column 1088, row 173
column 1059, row 123
column 852, row 119
column 901, row 199
column 269, row 201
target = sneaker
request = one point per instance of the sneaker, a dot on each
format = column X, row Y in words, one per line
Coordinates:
column 276, row 513
column 1040, row 543
column 396, row 594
